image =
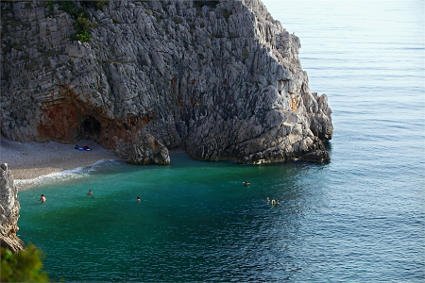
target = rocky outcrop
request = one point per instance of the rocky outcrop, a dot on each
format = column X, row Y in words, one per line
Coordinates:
column 143, row 150
column 220, row 79
column 9, row 211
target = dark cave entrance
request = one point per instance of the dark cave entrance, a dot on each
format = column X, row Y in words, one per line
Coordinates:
column 90, row 128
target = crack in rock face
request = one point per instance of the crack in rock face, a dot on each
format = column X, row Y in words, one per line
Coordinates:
column 221, row 80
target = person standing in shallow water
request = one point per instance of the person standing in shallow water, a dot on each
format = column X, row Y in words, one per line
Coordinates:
column 43, row 198
column 138, row 199
column 90, row 193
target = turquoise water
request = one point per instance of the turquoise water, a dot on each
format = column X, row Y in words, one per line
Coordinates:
column 359, row 218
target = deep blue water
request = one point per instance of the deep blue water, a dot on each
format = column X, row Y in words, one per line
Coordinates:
column 359, row 218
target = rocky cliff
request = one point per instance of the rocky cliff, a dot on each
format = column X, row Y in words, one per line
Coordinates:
column 9, row 211
column 219, row 79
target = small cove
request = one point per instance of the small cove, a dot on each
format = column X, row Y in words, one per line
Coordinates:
column 359, row 218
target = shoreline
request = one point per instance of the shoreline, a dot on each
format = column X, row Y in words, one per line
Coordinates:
column 56, row 176
column 30, row 161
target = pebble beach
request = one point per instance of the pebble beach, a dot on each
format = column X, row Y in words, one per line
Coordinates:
column 31, row 160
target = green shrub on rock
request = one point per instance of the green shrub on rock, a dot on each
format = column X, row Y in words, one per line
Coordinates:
column 82, row 26
column 81, row 17
column 83, row 36
column 25, row 266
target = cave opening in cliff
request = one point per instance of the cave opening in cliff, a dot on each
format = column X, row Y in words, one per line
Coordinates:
column 90, row 128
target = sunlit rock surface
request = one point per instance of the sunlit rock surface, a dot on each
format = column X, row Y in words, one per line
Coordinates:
column 221, row 80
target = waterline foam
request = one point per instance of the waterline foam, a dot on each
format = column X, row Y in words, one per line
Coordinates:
column 63, row 176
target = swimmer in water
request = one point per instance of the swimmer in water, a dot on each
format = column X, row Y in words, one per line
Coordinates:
column 42, row 198
column 139, row 199
column 90, row 193
column 277, row 202
column 246, row 183
column 267, row 199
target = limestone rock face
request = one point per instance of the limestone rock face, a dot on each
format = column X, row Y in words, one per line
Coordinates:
column 144, row 150
column 219, row 79
column 9, row 211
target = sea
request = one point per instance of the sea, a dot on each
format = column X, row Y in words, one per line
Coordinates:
column 360, row 218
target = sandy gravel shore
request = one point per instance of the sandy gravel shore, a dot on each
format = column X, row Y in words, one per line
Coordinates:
column 32, row 159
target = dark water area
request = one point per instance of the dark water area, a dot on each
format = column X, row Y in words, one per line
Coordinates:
column 359, row 218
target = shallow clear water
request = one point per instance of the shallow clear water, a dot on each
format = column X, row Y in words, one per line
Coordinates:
column 359, row 218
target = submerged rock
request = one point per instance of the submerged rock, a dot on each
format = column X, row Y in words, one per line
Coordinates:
column 9, row 211
column 220, row 79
